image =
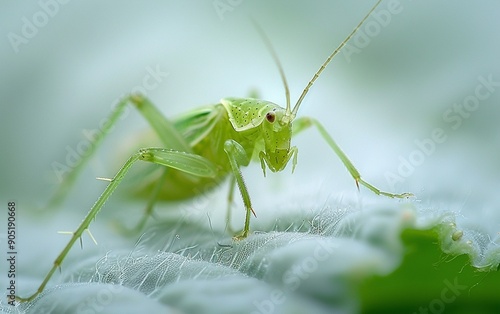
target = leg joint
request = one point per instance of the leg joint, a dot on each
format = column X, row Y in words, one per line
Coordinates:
column 145, row 154
column 137, row 99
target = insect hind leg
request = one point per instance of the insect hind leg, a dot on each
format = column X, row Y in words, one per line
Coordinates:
column 165, row 130
column 148, row 210
column 185, row 162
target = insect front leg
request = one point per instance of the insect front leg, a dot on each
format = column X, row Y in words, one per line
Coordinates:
column 303, row 123
column 230, row 198
column 237, row 158
column 186, row 162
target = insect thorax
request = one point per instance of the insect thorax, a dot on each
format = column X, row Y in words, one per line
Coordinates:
column 272, row 122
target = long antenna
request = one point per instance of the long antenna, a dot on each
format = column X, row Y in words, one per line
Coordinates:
column 278, row 63
column 330, row 57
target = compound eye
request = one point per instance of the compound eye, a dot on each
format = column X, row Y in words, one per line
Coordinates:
column 271, row 116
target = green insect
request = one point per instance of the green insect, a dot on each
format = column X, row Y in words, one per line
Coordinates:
column 206, row 145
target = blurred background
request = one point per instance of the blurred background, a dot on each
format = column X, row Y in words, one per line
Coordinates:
column 413, row 71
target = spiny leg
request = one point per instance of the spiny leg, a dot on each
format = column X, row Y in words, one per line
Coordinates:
column 238, row 157
column 162, row 126
column 186, row 162
column 230, row 198
column 170, row 138
column 254, row 93
column 69, row 180
column 303, row 123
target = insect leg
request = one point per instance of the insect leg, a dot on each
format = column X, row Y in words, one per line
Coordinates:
column 238, row 157
column 186, row 162
column 170, row 138
column 148, row 210
column 69, row 180
column 165, row 129
column 162, row 126
column 230, row 198
column 303, row 123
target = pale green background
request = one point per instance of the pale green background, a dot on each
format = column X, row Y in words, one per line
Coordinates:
column 392, row 93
